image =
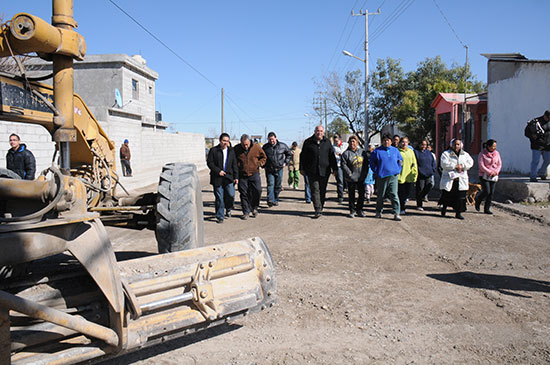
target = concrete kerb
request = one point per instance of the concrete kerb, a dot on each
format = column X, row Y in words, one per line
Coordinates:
column 511, row 208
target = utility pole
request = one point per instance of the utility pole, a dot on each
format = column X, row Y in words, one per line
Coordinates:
column 222, row 111
column 366, row 14
column 325, row 101
column 462, row 131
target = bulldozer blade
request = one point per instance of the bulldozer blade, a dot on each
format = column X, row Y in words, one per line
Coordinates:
column 180, row 290
column 167, row 296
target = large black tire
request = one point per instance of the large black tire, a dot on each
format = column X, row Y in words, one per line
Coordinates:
column 180, row 224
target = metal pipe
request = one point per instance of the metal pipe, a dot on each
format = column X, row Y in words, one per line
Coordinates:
column 35, row 310
column 166, row 302
column 63, row 85
column 11, row 189
column 122, row 208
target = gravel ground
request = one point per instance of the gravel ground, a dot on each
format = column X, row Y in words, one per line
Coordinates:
column 366, row 290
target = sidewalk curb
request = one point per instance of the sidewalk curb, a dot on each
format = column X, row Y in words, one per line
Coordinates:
column 521, row 213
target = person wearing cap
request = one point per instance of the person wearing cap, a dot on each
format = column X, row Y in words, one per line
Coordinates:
column 278, row 156
column 125, row 159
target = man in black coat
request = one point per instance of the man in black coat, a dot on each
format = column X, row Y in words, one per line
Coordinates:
column 19, row 159
column 278, row 155
column 223, row 176
column 316, row 162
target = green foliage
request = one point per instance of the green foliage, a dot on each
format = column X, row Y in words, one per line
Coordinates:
column 338, row 125
column 414, row 113
column 396, row 97
column 387, row 87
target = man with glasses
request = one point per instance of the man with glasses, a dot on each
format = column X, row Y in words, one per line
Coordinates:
column 223, row 176
column 19, row 159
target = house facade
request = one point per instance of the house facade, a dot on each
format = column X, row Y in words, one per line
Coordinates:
column 449, row 121
column 518, row 91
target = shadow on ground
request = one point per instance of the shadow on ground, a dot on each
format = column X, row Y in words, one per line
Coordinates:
column 501, row 283
column 171, row 345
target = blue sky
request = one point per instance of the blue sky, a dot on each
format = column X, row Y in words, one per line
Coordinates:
column 267, row 54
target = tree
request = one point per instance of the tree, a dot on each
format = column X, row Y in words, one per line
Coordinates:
column 415, row 114
column 338, row 125
column 345, row 98
column 387, row 84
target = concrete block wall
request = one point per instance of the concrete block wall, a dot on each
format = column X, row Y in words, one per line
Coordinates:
column 150, row 149
column 517, row 93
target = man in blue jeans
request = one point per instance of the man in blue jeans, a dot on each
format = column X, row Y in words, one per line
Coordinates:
column 224, row 174
column 538, row 132
column 278, row 156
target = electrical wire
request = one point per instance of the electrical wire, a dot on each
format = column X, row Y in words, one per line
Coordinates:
column 161, row 42
column 405, row 5
column 341, row 35
column 449, row 24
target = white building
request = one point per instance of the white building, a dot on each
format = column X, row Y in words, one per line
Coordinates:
column 518, row 91
column 120, row 92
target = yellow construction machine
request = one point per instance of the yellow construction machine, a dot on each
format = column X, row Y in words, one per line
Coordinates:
column 64, row 298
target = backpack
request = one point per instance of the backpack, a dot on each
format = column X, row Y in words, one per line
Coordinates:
column 533, row 130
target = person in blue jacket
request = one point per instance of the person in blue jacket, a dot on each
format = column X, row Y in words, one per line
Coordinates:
column 386, row 163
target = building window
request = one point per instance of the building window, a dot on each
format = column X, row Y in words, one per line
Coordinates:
column 135, row 89
column 150, row 90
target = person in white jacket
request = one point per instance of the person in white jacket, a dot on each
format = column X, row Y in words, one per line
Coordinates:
column 455, row 163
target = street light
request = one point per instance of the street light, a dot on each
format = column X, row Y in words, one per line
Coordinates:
column 365, row 61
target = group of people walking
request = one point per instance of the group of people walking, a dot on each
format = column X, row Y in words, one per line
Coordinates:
column 393, row 170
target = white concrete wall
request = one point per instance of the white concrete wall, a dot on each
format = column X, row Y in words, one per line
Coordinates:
column 150, row 149
column 512, row 101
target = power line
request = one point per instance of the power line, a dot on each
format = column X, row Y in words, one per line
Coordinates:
column 398, row 13
column 164, row 44
column 339, row 39
column 201, row 107
column 449, row 24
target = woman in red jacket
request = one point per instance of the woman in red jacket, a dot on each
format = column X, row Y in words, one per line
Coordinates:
column 489, row 167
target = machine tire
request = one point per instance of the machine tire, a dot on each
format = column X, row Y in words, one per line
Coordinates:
column 179, row 213
column 5, row 173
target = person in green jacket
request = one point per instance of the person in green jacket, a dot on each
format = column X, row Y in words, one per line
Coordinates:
column 409, row 173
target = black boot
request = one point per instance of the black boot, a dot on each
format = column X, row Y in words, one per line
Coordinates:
column 478, row 202
column 443, row 210
column 459, row 215
column 487, row 207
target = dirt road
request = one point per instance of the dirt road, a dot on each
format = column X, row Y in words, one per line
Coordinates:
column 364, row 290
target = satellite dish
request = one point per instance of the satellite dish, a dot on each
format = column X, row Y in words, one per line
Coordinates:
column 118, row 98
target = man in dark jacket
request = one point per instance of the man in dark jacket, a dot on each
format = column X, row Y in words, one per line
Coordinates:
column 316, row 162
column 538, row 132
column 125, row 157
column 250, row 157
column 223, row 176
column 426, row 170
column 19, row 159
column 278, row 155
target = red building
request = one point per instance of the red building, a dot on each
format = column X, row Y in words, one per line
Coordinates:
column 449, row 117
